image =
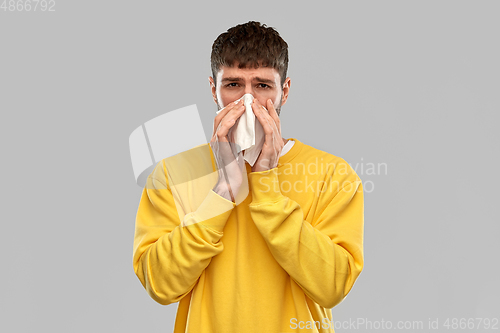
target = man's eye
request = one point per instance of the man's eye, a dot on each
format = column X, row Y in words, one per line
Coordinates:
column 232, row 84
column 263, row 85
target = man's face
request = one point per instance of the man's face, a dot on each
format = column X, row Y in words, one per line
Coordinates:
column 263, row 83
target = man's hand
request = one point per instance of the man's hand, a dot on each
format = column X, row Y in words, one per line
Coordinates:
column 271, row 150
column 225, row 153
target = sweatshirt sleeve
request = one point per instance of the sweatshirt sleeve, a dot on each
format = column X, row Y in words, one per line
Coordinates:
column 168, row 258
column 323, row 257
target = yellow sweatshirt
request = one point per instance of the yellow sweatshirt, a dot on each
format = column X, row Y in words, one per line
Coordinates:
column 277, row 262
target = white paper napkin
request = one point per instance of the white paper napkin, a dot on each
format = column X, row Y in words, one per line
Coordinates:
column 248, row 132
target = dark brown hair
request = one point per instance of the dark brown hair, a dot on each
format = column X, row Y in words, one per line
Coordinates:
column 251, row 45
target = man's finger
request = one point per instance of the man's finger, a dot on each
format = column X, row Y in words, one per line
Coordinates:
column 233, row 114
column 264, row 118
column 259, row 113
column 273, row 128
column 221, row 115
column 229, row 120
column 225, row 110
column 272, row 111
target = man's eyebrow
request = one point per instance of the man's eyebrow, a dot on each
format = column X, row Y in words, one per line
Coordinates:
column 262, row 80
column 232, row 79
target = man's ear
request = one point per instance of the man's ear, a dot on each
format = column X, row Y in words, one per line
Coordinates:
column 213, row 89
column 286, row 90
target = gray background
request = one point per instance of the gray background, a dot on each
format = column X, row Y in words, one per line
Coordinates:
column 414, row 85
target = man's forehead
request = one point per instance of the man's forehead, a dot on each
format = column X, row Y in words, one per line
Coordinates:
column 227, row 72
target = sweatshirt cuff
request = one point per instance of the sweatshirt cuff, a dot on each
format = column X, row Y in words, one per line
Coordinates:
column 265, row 186
column 214, row 211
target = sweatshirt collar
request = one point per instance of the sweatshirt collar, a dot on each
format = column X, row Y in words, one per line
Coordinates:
column 292, row 153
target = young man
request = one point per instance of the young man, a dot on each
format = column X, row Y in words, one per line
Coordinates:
column 281, row 258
